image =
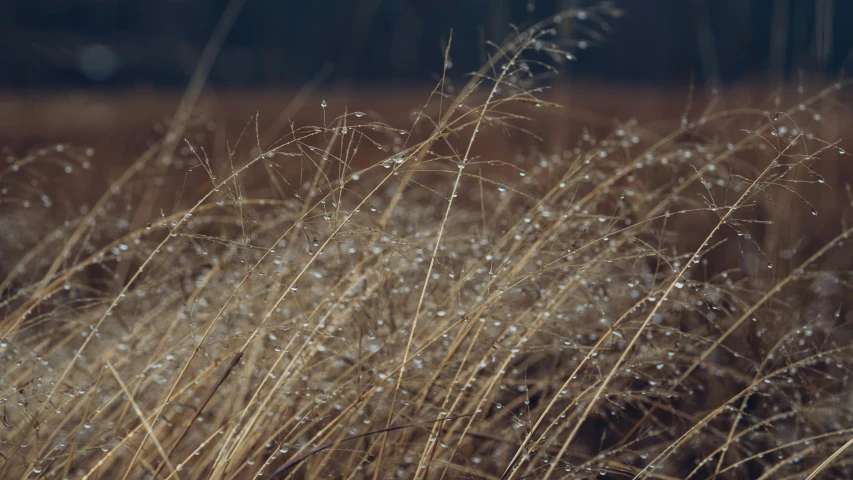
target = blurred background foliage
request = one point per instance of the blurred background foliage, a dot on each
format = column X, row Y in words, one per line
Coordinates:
column 56, row 44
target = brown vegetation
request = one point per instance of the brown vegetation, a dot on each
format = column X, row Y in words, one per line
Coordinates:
column 465, row 284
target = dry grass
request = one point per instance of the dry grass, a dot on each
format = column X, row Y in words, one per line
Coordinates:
column 640, row 303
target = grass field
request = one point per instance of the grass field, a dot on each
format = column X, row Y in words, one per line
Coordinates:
column 511, row 278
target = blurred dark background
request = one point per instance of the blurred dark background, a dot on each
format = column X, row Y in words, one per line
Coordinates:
column 119, row 44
